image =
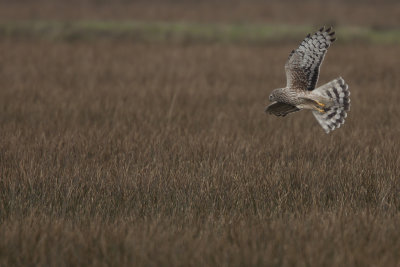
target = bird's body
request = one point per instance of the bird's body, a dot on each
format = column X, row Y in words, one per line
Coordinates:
column 329, row 102
column 291, row 96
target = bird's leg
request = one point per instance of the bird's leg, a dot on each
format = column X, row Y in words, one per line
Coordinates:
column 320, row 106
column 314, row 104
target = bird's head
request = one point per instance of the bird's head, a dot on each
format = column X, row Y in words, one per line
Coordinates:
column 275, row 95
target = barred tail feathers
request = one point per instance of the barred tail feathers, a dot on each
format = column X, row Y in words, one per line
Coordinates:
column 337, row 91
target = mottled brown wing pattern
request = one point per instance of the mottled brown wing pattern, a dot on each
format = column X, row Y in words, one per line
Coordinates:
column 302, row 67
column 280, row 109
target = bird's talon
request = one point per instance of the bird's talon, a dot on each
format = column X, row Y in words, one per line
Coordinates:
column 320, row 104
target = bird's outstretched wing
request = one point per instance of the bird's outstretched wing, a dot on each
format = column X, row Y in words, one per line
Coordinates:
column 302, row 67
column 280, row 109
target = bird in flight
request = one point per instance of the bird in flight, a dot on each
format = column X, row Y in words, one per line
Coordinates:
column 330, row 102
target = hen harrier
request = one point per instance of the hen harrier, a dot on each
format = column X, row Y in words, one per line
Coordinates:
column 328, row 102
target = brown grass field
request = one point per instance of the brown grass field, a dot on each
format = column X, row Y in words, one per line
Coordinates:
column 118, row 153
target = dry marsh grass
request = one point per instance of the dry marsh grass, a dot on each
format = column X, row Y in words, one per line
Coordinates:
column 132, row 154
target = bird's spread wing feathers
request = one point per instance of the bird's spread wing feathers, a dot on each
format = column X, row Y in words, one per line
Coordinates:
column 302, row 67
column 280, row 109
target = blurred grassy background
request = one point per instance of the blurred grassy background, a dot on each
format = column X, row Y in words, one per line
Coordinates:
column 133, row 133
column 382, row 14
column 185, row 31
column 199, row 21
